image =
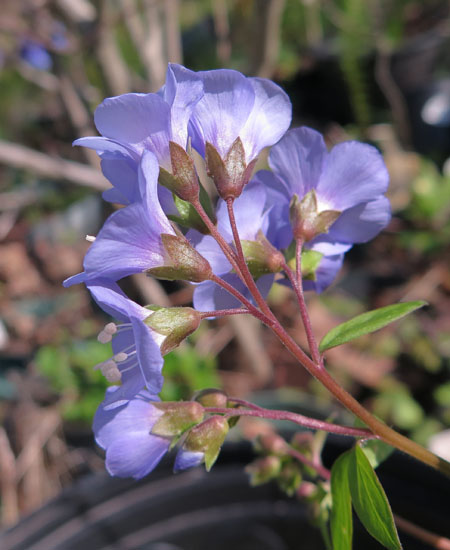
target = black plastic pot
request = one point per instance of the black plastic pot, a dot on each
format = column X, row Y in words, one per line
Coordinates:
column 199, row 511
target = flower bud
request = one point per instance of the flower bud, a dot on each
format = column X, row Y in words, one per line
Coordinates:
column 271, row 444
column 290, row 478
column 306, row 220
column 177, row 417
column 261, row 256
column 183, row 261
column 183, row 181
column 211, row 397
column 263, row 470
column 207, row 438
column 230, row 174
column 176, row 323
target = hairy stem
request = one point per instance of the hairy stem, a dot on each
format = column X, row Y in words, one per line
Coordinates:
column 297, row 285
column 223, row 312
column 299, row 419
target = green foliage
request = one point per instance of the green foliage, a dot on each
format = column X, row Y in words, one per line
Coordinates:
column 354, row 481
column 185, row 372
column 366, row 323
column 370, row 501
column 341, row 511
column 70, row 372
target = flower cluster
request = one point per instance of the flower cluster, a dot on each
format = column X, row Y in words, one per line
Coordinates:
column 169, row 227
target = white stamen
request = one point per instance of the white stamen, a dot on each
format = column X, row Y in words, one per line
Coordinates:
column 111, row 372
column 121, row 356
column 104, row 337
column 110, row 328
column 90, row 238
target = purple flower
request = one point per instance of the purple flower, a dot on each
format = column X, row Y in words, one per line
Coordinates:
column 36, row 55
column 251, row 218
column 254, row 109
column 351, row 179
column 137, row 360
column 124, row 433
column 134, row 123
column 130, row 240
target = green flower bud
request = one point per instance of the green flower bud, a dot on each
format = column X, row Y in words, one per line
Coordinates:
column 230, row 174
column 263, row 470
column 176, row 323
column 306, row 220
column 183, row 261
column 178, row 417
column 212, row 397
column 290, row 478
column 261, row 256
column 271, row 444
column 207, row 438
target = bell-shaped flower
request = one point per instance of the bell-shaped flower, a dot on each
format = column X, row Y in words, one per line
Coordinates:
column 139, row 238
column 131, row 124
column 253, row 225
column 346, row 186
column 234, row 120
column 137, row 360
column 139, row 341
column 125, row 434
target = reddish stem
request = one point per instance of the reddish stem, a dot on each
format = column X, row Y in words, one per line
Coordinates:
column 299, row 419
column 223, row 312
column 234, row 292
column 248, row 278
column 225, row 247
column 297, row 285
column 321, row 470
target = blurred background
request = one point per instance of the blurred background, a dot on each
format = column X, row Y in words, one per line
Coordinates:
column 377, row 71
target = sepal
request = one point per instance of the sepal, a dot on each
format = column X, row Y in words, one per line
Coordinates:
column 261, row 256
column 183, row 261
column 177, row 417
column 306, row 220
column 230, row 174
column 176, row 323
column 211, row 397
column 263, row 470
column 207, row 438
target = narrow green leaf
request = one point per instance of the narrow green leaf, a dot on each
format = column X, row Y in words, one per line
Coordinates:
column 341, row 509
column 376, row 450
column 370, row 501
column 367, row 322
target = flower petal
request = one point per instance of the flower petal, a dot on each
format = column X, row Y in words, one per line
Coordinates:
column 269, row 119
column 182, row 91
column 131, row 451
column 325, row 274
column 362, row 222
column 353, row 173
column 140, row 120
column 298, row 159
column 222, row 112
column 248, row 212
column 187, row 459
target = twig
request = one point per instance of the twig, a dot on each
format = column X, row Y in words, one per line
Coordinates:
column 267, row 31
column 222, row 30
column 41, row 164
column 113, row 66
column 8, row 485
column 436, row 541
column 173, row 33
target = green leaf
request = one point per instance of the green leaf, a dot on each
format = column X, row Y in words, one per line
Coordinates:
column 370, row 501
column 376, row 450
column 367, row 322
column 341, row 510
